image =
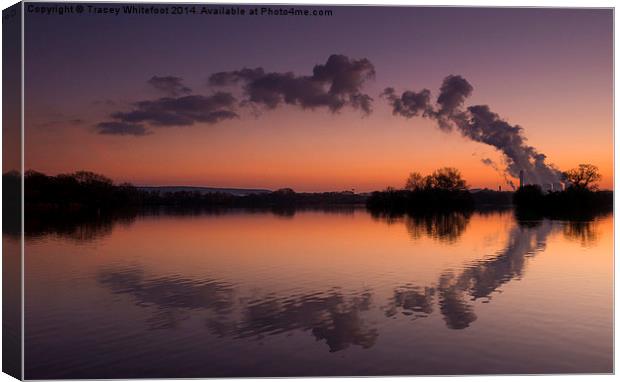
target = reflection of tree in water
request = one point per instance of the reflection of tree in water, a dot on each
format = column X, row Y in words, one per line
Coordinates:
column 330, row 316
column 478, row 280
column 446, row 226
column 80, row 227
column 85, row 226
column 585, row 232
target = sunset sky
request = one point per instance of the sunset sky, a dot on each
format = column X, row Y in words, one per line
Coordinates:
column 546, row 70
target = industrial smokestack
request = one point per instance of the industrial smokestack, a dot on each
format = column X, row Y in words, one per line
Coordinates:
column 477, row 123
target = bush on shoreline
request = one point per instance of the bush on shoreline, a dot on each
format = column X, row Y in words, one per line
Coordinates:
column 531, row 201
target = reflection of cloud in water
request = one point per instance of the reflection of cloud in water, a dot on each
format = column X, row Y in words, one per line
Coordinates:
column 172, row 296
column 330, row 316
column 412, row 301
column 478, row 280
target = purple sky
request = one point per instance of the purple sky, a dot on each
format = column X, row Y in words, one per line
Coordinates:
column 549, row 70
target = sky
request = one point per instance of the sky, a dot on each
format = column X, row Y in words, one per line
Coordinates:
column 163, row 100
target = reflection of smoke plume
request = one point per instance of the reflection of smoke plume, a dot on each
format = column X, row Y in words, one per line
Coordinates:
column 482, row 278
column 454, row 291
column 477, row 123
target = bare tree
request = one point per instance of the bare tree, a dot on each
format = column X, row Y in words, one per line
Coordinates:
column 91, row 178
column 415, row 182
column 584, row 177
column 447, row 178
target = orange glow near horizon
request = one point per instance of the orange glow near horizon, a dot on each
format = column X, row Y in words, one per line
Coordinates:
column 303, row 150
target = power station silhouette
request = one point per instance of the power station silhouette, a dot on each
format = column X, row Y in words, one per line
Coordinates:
column 557, row 186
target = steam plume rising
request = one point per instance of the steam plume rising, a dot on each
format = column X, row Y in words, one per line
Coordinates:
column 477, row 123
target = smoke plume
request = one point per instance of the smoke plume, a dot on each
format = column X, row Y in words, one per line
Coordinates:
column 477, row 123
column 333, row 85
column 489, row 162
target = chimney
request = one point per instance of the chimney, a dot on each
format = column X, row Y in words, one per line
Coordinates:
column 521, row 179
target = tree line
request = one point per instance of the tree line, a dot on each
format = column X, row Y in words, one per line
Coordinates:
column 580, row 198
column 443, row 189
column 88, row 191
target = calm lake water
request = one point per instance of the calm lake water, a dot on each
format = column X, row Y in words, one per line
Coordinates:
column 318, row 293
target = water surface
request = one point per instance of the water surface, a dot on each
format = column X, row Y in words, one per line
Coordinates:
column 318, row 293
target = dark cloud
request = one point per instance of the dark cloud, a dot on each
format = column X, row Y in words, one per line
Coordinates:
column 335, row 84
column 477, row 123
column 121, row 128
column 63, row 122
column 182, row 111
column 409, row 104
column 234, row 77
column 170, row 85
column 172, row 111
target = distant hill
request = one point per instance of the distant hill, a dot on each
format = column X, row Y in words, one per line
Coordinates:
column 203, row 190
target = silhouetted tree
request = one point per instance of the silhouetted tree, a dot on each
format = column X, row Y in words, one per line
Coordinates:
column 415, row 182
column 573, row 203
column 83, row 190
column 444, row 189
column 87, row 177
column 447, row 178
column 584, row 177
